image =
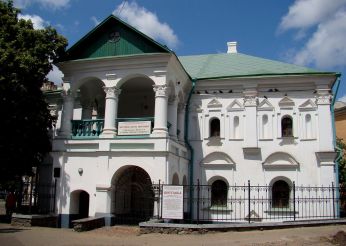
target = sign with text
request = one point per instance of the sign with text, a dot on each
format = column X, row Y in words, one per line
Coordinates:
column 173, row 202
column 134, row 128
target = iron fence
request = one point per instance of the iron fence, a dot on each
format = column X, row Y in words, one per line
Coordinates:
column 36, row 198
column 257, row 203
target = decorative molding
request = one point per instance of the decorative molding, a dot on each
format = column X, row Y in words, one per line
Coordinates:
column 323, row 97
column 250, row 98
column 235, row 106
column 286, row 102
column 181, row 107
column 112, row 92
column 308, row 105
column 326, row 158
column 265, row 105
column 161, row 90
column 214, row 104
column 280, row 159
column 217, row 159
column 111, row 76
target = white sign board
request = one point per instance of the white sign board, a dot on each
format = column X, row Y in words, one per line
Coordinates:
column 173, row 202
column 134, row 128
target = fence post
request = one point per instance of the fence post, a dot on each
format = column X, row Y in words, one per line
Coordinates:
column 54, row 200
column 198, row 196
column 333, row 195
column 249, row 200
column 294, row 201
column 158, row 201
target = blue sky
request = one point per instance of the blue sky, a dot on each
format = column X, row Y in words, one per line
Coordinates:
column 305, row 32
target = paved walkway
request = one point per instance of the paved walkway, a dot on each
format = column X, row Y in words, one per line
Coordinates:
column 323, row 235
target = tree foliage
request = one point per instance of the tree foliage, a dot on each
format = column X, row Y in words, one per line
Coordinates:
column 26, row 57
column 342, row 162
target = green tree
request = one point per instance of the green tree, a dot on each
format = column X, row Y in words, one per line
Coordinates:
column 342, row 162
column 26, row 57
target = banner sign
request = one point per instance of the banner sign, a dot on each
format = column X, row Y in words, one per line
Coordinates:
column 134, row 128
column 173, row 202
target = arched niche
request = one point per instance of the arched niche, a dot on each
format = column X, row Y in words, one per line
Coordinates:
column 280, row 160
column 217, row 159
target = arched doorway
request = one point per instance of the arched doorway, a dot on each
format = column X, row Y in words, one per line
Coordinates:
column 79, row 204
column 133, row 196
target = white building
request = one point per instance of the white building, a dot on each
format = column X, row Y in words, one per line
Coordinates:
column 133, row 114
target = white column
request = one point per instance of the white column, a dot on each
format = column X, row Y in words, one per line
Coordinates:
column 250, row 104
column 172, row 116
column 160, row 123
column 181, row 121
column 324, row 120
column 111, row 111
column 67, row 113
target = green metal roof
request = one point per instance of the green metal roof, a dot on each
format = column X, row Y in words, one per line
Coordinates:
column 113, row 37
column 228, row 65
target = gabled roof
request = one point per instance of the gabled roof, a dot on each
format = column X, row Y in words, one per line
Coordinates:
column 113, row 37
column 214, row 66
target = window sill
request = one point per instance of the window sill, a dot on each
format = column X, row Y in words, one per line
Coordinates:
column 219, row 209
column 281, row 211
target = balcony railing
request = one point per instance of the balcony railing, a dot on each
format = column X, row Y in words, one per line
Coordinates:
column 87, row 128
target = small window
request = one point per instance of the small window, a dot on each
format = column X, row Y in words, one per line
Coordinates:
column 236, row 127
column 219, row 193
column 286, row 126
column 308, row 126
column 215, row 127
column 265, row 126
column 280, row 194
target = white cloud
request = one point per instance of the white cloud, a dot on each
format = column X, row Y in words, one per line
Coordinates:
column 55, row 75
column 36, row 20
column 325, row 47
column 54, row 4
column 307, row 13
column 95, row 20
column 147, row 22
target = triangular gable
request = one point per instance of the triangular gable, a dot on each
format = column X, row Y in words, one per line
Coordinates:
column 113, row 37
column 265, row 105
column 286, row 102
column 308, row 105
column 214, row 104
column 235, row 106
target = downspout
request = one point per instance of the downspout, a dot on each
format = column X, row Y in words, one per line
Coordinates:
column 338, row 150
column 186, row 138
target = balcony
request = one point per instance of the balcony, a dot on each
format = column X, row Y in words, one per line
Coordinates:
column 92, row 128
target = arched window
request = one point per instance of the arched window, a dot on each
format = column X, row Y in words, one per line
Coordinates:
column 215, row 127
column 219, row 193
column 175, row 179
column 308, row 126
column 236, row 127
column 286, row 126
column 280, row 194
column 265, row 126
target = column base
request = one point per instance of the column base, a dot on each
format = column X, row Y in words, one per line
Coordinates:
column 108, row 133
column 160, row 132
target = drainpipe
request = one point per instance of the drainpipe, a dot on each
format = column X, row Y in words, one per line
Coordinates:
column 189, row 147
column 338, row 150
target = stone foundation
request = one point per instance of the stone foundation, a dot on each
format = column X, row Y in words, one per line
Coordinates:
column 88, row 224
column 34, row 220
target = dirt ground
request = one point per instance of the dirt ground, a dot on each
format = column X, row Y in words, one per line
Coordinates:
column 121, row 235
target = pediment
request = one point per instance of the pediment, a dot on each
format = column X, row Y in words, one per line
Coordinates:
column 235, row 106
column 265, row 105
column 113, row 37
column 214, row 104
column 217, row 158
column 308, row 105
column 280, row 159
column 286, row 102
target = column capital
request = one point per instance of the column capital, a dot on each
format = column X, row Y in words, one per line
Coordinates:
column 161, row 90
column 323, row 97
column 172, row 99
column 112, row 92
